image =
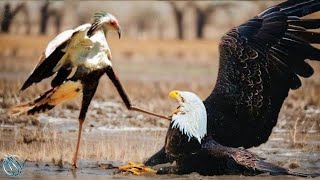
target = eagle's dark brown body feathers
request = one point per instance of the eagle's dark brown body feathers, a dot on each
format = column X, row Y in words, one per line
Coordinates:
column 212, row 158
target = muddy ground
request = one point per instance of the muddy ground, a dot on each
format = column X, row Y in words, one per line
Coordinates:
column 114, row 135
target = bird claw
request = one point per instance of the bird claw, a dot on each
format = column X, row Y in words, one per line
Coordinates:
column 74, row 166
column 136, row 169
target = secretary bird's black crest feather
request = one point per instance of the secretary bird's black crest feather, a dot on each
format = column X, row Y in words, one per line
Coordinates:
column 96, row 20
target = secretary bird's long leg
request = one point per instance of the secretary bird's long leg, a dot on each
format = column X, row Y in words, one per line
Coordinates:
column 89, row 89
column 115, row 80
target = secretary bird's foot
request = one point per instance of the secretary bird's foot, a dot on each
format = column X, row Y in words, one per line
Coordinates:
column 74, row 166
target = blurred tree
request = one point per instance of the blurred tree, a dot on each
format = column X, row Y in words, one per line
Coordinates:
column 9, row 15
column 71, row 17
column 46, row 13
column 57, row 20
column 44, row 17
column 203, row 14
column 161, row 29
column 145, row 20
column 178, row 15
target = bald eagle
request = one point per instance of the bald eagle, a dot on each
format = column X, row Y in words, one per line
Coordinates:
column 86, row 49
column 260, row 61
column 188, row 144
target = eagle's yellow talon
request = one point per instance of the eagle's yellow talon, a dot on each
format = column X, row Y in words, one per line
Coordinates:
column 136, row 169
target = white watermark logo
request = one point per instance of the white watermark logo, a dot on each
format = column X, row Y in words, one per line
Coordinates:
column 12, row 165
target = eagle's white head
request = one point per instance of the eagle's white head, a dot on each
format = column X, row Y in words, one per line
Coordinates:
column 106, row 21
column 191, row 116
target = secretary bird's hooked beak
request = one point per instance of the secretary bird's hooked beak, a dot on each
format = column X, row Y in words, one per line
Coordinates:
column 115, row 25
column 119, row 31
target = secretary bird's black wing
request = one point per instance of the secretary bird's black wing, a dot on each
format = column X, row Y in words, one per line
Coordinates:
column 50, row 58
column 260, row 61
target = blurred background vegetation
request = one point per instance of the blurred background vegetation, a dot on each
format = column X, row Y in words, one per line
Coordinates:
column 139, row 19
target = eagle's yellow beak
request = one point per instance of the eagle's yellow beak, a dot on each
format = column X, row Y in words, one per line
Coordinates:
column 175, row 94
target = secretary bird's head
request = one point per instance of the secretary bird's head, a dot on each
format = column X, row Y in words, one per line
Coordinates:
column 105, row 21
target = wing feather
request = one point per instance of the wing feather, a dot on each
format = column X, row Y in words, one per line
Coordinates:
column 260, row 61
column 54, row 52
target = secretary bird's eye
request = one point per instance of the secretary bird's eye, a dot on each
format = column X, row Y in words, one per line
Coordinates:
column 113, row 23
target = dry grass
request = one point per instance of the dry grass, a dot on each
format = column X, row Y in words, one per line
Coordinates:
column 44, row 145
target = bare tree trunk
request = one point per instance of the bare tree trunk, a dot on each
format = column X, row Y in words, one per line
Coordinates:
column 27, row 22
column 70, row 14
column 44, row 17
column 58, row 23
column 201, row 19
column 160, row 30
column 141, row 27
column 8, row 16
column 178, row 14
column 202, row 16
column 57, row 19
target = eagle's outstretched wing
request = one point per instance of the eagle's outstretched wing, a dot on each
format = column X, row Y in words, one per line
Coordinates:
column 228, row 160
column 53, row 53
column 260, row 61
